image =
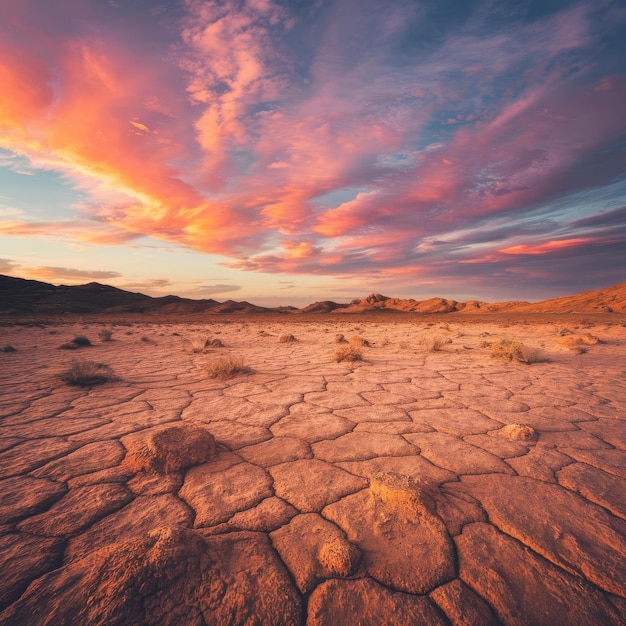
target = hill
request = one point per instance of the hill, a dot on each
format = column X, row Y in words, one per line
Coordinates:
column 31, row 297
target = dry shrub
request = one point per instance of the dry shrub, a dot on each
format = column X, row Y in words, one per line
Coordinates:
column 8, row 348
column 348, row 353
column 105, row 334
column 433, row 344
column 228, row 367
column 87, row 373
column 339, row 338
column 199, row 345
column 512, row 350
column 359, row 342
column 579, row 343
column 80, row 341
column 287, row 339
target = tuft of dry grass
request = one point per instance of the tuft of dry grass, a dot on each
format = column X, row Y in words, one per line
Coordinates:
column 228, row 367
column 579, row 343
column 287, row 339
column 433, row 343
column 359, row 342
column 80, row 341
column 87, row 373
column 512, row 350
column 105, row 334
column 8, row 348
column 348, row 353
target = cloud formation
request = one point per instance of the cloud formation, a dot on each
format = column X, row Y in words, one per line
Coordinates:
column 403, row 142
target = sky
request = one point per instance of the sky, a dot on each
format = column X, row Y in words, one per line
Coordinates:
column 290, row 151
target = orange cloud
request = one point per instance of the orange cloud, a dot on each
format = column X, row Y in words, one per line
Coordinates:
column 544, row 248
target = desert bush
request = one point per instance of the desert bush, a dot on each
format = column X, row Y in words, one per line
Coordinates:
column 80, row 341
column 339, row 338
column 105, row 334
column 358, row 342
column 9, row 348
column 287, row 339
column 348, row 353
column 579, row 343
column 86, row 373
column 198, row 344
column 228, row 367
column 433, row 344
column 512, row 350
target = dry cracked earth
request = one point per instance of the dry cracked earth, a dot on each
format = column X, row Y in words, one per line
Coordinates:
column 391, row 490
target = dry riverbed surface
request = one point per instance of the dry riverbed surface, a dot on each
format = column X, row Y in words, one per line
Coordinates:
column 428, row 483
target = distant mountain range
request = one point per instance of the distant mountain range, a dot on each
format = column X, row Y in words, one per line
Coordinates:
column 31, row 297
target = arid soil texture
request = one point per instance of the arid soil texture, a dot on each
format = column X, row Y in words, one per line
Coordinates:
column 427, row 483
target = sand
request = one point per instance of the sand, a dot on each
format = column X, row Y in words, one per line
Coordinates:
column 411, row 486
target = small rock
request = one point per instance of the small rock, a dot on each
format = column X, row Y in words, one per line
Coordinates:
column 168, row 449
column 519, row 432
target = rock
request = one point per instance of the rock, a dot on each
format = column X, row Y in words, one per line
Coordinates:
column 404, row 544
column 311, row 484
column 523, row 588
column 23, row 559
column 21, row 496
column 217, row 496
column 462, row 606
column 314, row 549
column 588, row 542
column 168, row 449
column 367, row 603
column 78, row 509
column 168, row 576
column 518, row 432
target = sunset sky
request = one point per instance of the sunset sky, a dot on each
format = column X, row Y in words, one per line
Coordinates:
column 287, row 151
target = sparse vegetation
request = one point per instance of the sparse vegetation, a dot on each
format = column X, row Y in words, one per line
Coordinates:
column 9, row 348
column 512, row 350
column 80, row 341
column 87, row 373
column 578, row 343
column 348, row 353
column 228, row 367
column 105, row 334
column 358, row 342
column 433, row 344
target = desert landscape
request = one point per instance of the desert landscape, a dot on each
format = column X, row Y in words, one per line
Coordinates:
column 382, row 468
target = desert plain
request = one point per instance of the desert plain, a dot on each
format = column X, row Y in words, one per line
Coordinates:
column 427, row 483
